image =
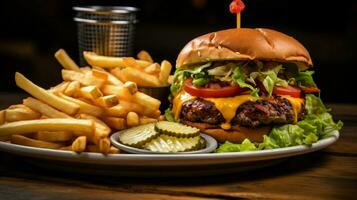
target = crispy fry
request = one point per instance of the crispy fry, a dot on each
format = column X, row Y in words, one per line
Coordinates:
column 60, row 87
column 139, row 77
column 112, row 80
column 165, row 72
column 20, row 112
column 114, row 150
column 79, row 144
column 132, row 119
column 84, row 78
column 23, row 140
column 117, row 111
column 101, row 129
column 132, row 107
column 30, row 126
column 146, row 120
column 54, row 136
column 2, row 117
column 84, row 107
column 115, row 122
column 93, row 148
column 109, row 62
column 104, row 145
column 170, row 80
column 117, row 73
column 91, row 92
column 44, row 109
column 85, row 70
column 107, row 101
column 144, row 55
column 45, row 96
column 65, row 60
column 72, row 88
column 152, row 69
column 99, row 74
column 121, row 92
column 132, row 87
column 146, row 101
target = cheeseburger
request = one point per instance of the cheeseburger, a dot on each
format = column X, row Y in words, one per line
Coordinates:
column 238, row 84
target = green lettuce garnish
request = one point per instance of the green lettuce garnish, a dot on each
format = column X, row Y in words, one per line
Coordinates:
column 169, row 115
column 318, row 124
column 239, row 77
column 231, row 147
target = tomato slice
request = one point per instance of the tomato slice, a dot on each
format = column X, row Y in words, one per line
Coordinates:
column 212, row 90
column 290, row 90
column 311, row 89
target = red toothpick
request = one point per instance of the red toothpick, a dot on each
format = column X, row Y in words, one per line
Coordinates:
column 236, row 7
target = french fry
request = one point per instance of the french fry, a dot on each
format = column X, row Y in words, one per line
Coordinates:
column 121, row 92
column 91, row 92
column 44, row 109
column 54, row 136
column 60, row 87
column 79, row 144
column 85, row 70
column 65, row 60
column 170, row 80
column 144, row 55
column 152, row 69
column 164, row 72
column 139, row 77
column 20, row 112
column 99, row 74
column 72, row 88
column 146, row 101
column 56, row 124
column 101, row 130
column 115, row 122
column 117, row 111
column 84, row 78
column 132, row 119
column 117, row 73
column 107, row 101
column 45, row 96
column 132, row 107
column 112, row 80
column 84, row 107
column 162, row 118
column 114, row 150
column 104, row 145
column 5, row 138
column 132, row 87
column 2, row 117
column 109, row 62
column 146, row 120
column 23, row 140
column 92, row 148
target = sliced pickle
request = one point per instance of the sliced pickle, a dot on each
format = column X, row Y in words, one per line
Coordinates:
column 170, row 144
column 176, row 129
column 139, row 135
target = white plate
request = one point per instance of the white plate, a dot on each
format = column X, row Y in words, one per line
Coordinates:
column 159, row 164
column 211, row 145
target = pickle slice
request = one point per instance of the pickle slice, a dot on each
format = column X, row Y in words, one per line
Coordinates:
column 139, row 135
column 170, row 144
column 176, row 129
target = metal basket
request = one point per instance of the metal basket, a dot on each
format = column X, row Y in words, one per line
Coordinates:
column 106, row 31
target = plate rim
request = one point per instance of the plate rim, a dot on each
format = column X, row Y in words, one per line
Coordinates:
column 166, row 159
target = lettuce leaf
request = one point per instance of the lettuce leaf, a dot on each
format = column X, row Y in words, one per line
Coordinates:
column 169, row 115
column 246, row 145
column 318, row 124
column 240, row 78
column 305, row 79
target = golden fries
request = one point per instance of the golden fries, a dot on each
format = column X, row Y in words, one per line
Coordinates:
column 164, row 72
column 23, row 140
column 20, row 112
column 45, row 96
column 54, row 136
column 44, row 109
column 84, row 107
column 144, row 55
column 2, row 117
column 30, row 126
column 80, row 113
column 107, row 101
column 65, row 60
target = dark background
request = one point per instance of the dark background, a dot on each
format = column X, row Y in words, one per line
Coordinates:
column 31, row 31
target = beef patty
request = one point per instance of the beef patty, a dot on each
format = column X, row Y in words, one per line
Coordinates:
column 276, row 110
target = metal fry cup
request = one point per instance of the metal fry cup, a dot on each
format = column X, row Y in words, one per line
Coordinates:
column 105, row 30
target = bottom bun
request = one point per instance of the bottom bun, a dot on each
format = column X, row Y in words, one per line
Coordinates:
column 236, row 136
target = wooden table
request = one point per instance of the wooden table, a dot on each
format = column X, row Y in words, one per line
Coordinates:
column 327, row 174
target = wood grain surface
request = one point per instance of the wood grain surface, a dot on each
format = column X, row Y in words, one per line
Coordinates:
column 327, row 174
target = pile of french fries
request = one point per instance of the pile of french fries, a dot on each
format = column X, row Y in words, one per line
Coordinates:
column 143, row 71
column 80, row 113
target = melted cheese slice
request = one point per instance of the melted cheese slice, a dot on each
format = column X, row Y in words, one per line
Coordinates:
column 178, row 101
column 228, row 107
column 296, row 104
